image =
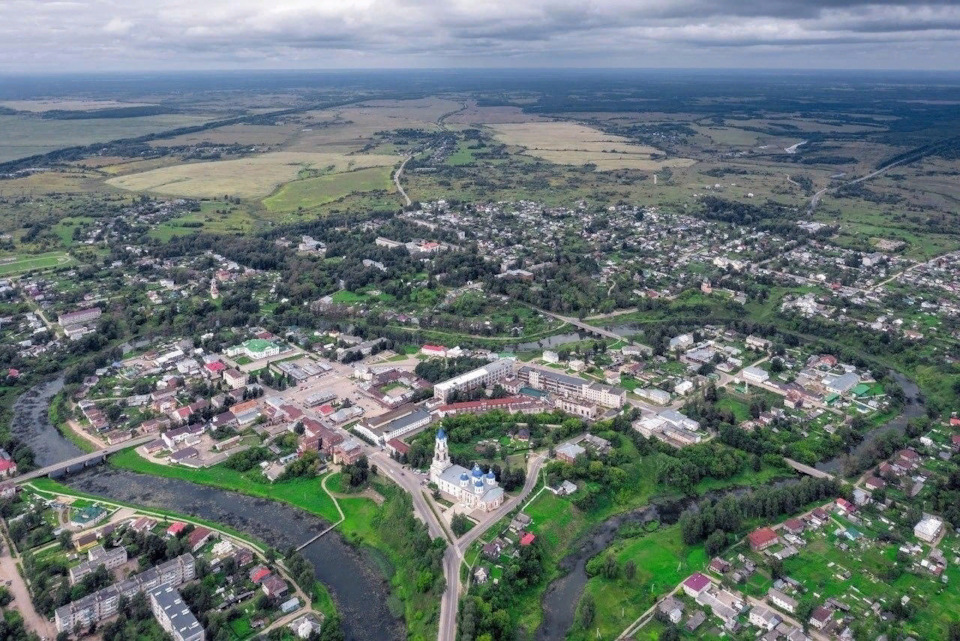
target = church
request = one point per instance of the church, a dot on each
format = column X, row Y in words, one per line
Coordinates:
column 472, row 489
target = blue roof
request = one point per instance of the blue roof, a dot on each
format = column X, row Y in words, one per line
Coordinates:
column 477, row 471
column 441, row 435
column 464, row 477
column 478, row 483
column 491, row 475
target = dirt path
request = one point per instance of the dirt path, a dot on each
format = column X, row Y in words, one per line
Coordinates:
column 21, row 597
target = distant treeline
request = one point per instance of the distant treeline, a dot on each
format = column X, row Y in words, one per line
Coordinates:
column 109, row 112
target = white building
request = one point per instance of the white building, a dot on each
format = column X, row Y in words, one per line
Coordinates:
column 472, row 489
column 755, row 375
column 654, row 395
column 550, row 357
column 928, row 529
column 683, row 341
column 486, row 375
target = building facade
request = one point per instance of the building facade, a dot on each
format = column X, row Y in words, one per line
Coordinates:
column 472, row 489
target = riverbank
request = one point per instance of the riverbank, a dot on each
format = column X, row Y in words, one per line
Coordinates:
column 381, row 532
column 358, row 589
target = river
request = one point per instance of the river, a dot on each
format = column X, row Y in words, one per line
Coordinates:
column 31, row 425
column 912, row 409
column 359, row 589
column 562, row 595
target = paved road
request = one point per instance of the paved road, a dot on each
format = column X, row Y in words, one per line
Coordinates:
column 79, row 460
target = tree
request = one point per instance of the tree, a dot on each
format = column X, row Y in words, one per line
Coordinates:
column 460, row 524
column 586, row 611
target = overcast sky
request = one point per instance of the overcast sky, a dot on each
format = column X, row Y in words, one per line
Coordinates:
column 89, row 35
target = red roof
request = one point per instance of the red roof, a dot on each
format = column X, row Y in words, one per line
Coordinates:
column 398, row 445
column 528, row 538
column 845, row 504
column 198, row 535
column 954, row 421
column 6, row 465
column 793, row 524
column 258, row 574
column 13, row 373
column 325, row 409
column 762, row 536
column 215, row 366
column 434, row 348
column 176, row 528
column 697, row 582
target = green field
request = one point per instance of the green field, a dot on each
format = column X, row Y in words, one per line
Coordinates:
column 662, row 561
column 216, row 217
column 321, row 190
column 21, row 263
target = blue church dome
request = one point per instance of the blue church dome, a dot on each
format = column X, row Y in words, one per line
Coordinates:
column 441, row 435
column 464, row 477
column 491, row 475
column 478, row 483
column 477, row 471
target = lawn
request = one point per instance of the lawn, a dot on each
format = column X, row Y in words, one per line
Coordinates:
column 662, row 561
column 303, row 493
column 18, row 264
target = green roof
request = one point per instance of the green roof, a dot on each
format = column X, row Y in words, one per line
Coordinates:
column 861, row 390
column 831, row 398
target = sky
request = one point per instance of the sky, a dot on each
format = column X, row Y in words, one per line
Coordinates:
column 168, row 35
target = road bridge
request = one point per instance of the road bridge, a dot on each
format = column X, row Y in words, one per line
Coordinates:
column 78, row 463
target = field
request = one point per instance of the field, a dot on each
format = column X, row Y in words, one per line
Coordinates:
column 569, row 143
column 252, row 177
column 662, row 561
column 22, row 136
column 321, row 190
column 39, row 106
column 214, row 216
column 18, row 264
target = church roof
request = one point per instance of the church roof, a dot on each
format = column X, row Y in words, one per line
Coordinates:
column 441, row 435
column 477, row 471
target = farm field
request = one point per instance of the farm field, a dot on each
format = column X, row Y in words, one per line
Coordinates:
column 252, row 177
column 311, row 192
column 570, row 143
column 22, row 136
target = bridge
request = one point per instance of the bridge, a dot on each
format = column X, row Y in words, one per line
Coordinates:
column 591, row 329
column 78, row 463
column 809, row 471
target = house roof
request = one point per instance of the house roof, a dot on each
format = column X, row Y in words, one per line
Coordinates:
column 696, row 581
column 762, row 536
column 528, row 538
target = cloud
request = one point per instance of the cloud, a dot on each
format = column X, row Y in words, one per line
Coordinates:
column 183, row 34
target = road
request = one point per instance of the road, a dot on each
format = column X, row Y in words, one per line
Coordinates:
column 80, row 460
column 396, row 181
column 22, row 603
column 453, row 557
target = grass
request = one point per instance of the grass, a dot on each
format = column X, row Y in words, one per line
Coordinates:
column 22, row 136
column 252, row 177
column 303, row 493
column 215, row 216
column 569, row 143
column 57, row 414
column 19, row 264
column 321, row 190
column 662, row 561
